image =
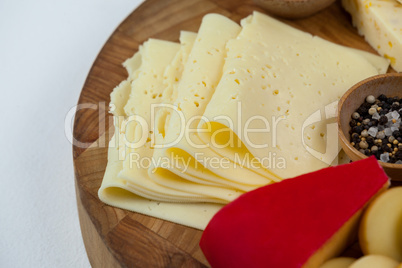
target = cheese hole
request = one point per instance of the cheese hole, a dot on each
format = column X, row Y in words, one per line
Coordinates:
column 196, row 95
column 275, row 92
column 160, row 95
column 154, row 95
column 322, row 135
column 278, row 108
column 313, row 127
column 145, row 92
column 319, row 93
column 205, row 84
column 237, row 81
column 263, row 87
column 202, row 98
column 296, row 158
column 196, row 104
column 194, row 61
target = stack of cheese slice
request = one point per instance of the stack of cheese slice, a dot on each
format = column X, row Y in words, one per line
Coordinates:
column 229, row 109
column 381, row 24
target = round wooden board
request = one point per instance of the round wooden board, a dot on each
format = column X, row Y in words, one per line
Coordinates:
column 117, row 238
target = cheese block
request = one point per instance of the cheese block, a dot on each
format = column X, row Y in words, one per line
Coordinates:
column 278, row 94
column 299, row 222
column 380, row 230
column 381, row 24
column 375, row 261
column 340, row 262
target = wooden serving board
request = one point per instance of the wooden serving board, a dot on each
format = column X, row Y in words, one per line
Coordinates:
column 117, row 238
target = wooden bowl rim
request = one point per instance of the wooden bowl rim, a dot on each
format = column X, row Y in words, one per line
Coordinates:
column 342, row 136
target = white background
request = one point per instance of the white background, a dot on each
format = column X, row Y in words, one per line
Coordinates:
column 46, row 50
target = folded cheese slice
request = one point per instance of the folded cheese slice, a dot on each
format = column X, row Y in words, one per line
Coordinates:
column 275, row 82
column 153, row 84
column 143, row 87
column 115, row 192
column 200, row 76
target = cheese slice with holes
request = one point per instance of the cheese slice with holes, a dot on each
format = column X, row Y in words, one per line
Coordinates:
column 200, row 76
column 149, row 89
column 155, row 82
column 143, row 88
column 115, row 192
column 280, row 88
column 380, row 21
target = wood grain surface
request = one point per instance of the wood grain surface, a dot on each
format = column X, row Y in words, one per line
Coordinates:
column 117, row 238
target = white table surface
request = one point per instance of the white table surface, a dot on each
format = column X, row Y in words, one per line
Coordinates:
column 46, row 50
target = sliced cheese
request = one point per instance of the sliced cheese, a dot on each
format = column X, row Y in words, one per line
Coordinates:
column 116, row 193
column 381, row 24
column 149, row 86
column 275, row 79
column 148, row 89
column 201, row 74
column 208, row 77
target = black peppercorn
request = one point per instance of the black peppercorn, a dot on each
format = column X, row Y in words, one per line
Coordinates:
column 382, row 97
column 398, row 155
column 362, row 110
column 358, row 129
column 385, row 148
column 383, row 120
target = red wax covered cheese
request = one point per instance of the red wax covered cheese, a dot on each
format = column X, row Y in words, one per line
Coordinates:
column 299, row 222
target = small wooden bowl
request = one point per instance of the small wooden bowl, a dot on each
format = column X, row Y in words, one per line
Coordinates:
column 388, row 84
column 293, row 9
